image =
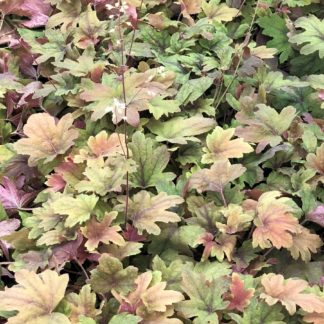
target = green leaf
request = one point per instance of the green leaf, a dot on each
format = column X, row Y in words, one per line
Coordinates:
column 275, row 27
column 171, row 273
column 159, row 107
column 193, row 90
column 259, row 312
column 179, row 130
column 110, row 274
column 78, row 210
column 205, row 297
column 312, row 35
column 151, row 159
column 105, row 176
column 125, row 318
column 53, row 48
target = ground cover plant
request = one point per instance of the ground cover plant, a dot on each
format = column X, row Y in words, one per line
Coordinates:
column 161, row 161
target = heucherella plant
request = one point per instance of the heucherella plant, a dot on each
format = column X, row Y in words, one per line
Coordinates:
column 161, row 162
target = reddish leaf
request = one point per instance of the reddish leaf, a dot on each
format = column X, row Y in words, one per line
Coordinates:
column 239, row 297
column 131, row 234
column 36, row 10
column 65, row 252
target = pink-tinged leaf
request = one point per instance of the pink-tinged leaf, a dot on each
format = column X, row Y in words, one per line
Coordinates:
column 239, row 296
column 27, row 92
column 56, row 182
column 7, row 227
column 97, row 232
column 317, row 215
column 290, row 293
column 11, row 197
column 36, row 10
column 321, row 94
column 65, row 172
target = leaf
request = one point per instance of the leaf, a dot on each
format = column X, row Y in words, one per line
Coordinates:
column 266, row 127
column 36, row 10
column 105, row 176
column 90, row 29
column 151, row 160
column 259, row 312
column 236, row 219
column 125, row 318
column 7, row 227
column 205, row 297
column 35, row 297
column 317, row 215
column 83, row 303
column 102, row 231
column 78, row 209
column 150, row 300
column 217, row 177
column 180, row 130
column 190, row 7
column 220, row 146
column 109, row 274
column 275, row 27
column 123, row 251
column 46, row 137
column 11, row 197
column 290, row 294
column 66, row 252
column 159, row 107
column 275, row 224
column 304, row 243
column 219, row 12
column 316, row 161
column 140, row 89
column 193, row 90
column 50, row 49
column 219, row 247
column 67, row 17
column 145, row 210
column 239, row 296
column 171, row 273
column 84, row 65
column 312, row 35
column 315, row 318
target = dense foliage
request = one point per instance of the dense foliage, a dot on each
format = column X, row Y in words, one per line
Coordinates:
column 161, row 161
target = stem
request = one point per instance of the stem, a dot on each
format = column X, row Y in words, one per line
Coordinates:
column 82, row 268
column 123, row 67
column 133, row 36
column 223, row 197
column 268, row 252
column 240, row 57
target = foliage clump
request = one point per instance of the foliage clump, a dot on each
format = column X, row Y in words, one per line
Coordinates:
column 161, row 161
